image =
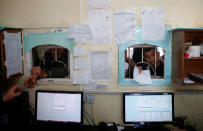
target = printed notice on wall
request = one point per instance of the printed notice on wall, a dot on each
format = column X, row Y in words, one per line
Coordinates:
column 98, row 4
column 153, row 26
column 125, row 27
column 80, row 33
column 80, row 77
column 13, row 50
column 99, row 65
column 80, row 63
column 100, row 25
column 79, row 51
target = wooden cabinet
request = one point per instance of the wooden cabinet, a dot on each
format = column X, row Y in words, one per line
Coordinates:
column 181, row 66
column 11, row 54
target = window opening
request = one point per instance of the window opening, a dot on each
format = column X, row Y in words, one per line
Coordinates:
column 52, row 59
column 145, row 57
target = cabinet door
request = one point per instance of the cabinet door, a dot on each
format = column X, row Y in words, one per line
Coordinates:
column 177, row 56
column 11, row 53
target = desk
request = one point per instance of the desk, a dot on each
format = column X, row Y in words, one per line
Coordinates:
column 98, row 128
column 65, row 126
column 149, row 128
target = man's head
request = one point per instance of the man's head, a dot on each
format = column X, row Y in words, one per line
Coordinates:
column 149, row 56
column 56, row 52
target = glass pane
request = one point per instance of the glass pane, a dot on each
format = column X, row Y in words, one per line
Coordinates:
column 52, row 59
column 144, row 57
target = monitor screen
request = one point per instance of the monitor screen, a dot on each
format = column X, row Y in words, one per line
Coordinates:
column 148, row 107
column 59, row 106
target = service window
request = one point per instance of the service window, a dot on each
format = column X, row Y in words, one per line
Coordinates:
column 146, row 57
column 53, row 59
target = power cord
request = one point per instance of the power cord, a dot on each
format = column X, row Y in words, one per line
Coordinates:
column 92, row 113
column 92, row 119
column 86, row 117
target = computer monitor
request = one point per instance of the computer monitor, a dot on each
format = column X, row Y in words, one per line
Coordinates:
column 59, row 106
column 148, row 107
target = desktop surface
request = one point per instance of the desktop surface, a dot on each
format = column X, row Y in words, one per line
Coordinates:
column 147, row 128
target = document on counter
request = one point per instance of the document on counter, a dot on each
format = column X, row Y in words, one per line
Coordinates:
column 187, row 80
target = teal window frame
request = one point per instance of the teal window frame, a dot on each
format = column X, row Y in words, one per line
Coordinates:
column 165, row 44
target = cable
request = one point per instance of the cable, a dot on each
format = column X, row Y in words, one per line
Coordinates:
column 32, row 115
column 90, row 117
column 92, row 113
column 87, row 119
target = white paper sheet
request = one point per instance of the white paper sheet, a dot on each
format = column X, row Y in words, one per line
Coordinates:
column 153, row 26
column 80, row 63
column 79, row 51
column 98, row 4
column 13, row 52
column 80, row 40
column 79, row 32
column 187, row 80
column 125, row 27
column 99, row 65
column 143, row 77
column 100, row 25
column 80, row 77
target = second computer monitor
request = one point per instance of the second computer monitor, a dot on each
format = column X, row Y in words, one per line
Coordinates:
column 148, row 107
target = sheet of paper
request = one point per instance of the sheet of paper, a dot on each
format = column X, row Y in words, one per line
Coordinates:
column 187, row 80
column 143, row 77
column 92, row 85
column 153, row 25
column 79, row 32
column 100, row 25
column 80, row 40
column 13, row 50
column 80, row 63
column 98, row 4
column 80, row 77
column 125, row 27
column 79, row 51
column 99, row 65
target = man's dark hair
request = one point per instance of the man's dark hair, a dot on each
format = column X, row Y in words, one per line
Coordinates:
column 148, row 49
column 137, row 55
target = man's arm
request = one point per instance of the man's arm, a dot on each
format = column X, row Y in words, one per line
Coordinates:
column 36, row 72
column 13, row 92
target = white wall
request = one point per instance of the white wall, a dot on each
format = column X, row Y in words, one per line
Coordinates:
column 39, row 13
column 63, row 13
